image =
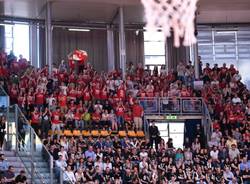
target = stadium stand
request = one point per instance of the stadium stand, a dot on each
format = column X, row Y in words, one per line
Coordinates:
column 92, row 124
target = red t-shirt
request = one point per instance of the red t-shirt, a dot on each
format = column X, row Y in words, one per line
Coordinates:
column 121, row 93
column 77, row 116
column 104, row 94
column 86, row 96
column 127, row 117
column 120, row 110
column 35, row 117
column 40, row 98
column 96, row 116
column 55, row 118
column 137, row 111
column 62, row 100
column 96, row 93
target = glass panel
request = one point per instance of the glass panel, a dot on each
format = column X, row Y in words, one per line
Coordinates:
column 170, row 105
column 154, row 60
column 21, row 38
column 149, row 105
column 244, row 66
column 154, row 48
column 153, row 36
column 244, row 51
column 225, row 51
column 222, row 37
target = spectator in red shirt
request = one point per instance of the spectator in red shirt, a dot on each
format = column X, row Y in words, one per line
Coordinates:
column 128, row 119
column 96, row 117
column 137, row 115
column 120, row 109
column 39, row 98
column 56, row 122
column 62, row 99
column 35, row 120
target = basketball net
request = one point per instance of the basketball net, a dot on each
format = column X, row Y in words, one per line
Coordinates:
column 172, row 15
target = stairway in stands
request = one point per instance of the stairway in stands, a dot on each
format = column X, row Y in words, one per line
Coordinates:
column 41, row 166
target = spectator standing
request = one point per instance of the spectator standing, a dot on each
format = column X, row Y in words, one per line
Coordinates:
column 137, row 115
column 154, row 135
column 2, row 131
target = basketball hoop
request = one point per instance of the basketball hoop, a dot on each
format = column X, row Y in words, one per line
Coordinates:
column 172, row 15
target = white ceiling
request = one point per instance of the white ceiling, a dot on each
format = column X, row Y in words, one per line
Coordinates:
column 209, row 11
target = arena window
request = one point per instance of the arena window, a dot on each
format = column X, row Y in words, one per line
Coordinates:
column 154, row 49
column 16, row 36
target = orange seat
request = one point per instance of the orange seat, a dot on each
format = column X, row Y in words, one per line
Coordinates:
column 76, row 133
column 67, row 133
column 131, row 134
column 50, row 132
column 55, row 133
column 105, row 133
column 86, row 133
column 122, row 134
column 95, row 133
column 140, row 134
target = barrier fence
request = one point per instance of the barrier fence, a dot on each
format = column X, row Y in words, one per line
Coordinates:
column 188, row 106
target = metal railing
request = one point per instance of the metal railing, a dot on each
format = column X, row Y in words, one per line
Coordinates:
column 188, row 106
column 4, row 100
column 21, row 136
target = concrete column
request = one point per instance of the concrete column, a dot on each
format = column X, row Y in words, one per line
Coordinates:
column 33, row 45
column 110, row 46
column 48, row 32
column 196, row 61
column 122, row 45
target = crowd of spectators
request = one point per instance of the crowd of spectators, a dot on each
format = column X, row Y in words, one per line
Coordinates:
column 90, row 100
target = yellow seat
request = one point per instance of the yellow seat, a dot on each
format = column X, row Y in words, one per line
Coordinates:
column 95, row 133
column 140, row 134
column 67, row 133
column 86, row 133
column 76, row 133
column 131, row 134
column 122, row 134
column 55, row 133
column 50, row 132
column 105, row 133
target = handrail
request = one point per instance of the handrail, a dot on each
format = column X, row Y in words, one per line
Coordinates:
column 2, row 90
column 40, row 177
column 18, row 110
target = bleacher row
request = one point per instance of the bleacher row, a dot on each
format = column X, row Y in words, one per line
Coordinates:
column 97, row 133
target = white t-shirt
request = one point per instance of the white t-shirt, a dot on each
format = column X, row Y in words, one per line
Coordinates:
column 233, row 153
column 214, row 154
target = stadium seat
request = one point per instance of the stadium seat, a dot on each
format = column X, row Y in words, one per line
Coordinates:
column 105, row 133
column 86, row 133
column 122, row 134
column 140, row 134
column 67, row 133
column 95, row 133
column 76, row 133
column 132, row 134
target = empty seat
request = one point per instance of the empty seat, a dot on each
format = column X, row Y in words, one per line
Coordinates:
column 122, row 134
column 67, row 133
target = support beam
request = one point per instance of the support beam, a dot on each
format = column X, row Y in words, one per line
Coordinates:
column 196, row 61
column 195, row 52
column 122, row 46
column 110, row 46
column 48, row 33
column 34, row 45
